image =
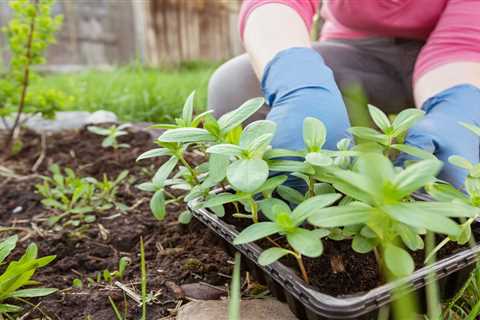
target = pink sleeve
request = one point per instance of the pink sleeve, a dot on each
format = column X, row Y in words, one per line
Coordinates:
column 456, row 38
column 305, row 8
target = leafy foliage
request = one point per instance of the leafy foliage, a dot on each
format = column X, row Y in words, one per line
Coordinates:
column 30, row 31
column 18, row 275
column 353, row 193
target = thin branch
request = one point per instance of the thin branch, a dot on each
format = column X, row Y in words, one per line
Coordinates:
column 25, row 83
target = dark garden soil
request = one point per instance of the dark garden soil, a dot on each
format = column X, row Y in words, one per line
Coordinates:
column 175, row 254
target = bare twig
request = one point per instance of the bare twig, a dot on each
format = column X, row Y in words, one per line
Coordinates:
column 43, row 151
column 129, row 292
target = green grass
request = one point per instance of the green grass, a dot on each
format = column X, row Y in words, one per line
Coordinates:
column 134, row 93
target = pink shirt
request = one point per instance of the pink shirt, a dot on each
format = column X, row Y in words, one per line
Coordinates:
column 451, row 28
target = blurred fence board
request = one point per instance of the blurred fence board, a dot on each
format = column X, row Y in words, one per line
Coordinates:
column 181, row 30
column 94, row 33
column 112, row 32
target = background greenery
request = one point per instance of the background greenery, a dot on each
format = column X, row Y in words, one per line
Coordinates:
column 134, row 93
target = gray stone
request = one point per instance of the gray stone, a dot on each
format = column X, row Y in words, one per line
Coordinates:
column 64, row 120
column 102, row 116
column 265, row 309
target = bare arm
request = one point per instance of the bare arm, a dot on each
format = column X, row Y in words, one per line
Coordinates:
column 270, row 29
column 444, row 77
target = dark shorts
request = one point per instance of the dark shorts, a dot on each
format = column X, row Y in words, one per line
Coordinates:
column 383, row 67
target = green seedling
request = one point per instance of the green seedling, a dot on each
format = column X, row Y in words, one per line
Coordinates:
column 198, row 180
column 374, row 207
column 383, row 212
column 391, row 134
column 288, row 223
column 315, row 160
column 17, row 275
column 106, row 191
column 75, row 197
column 106, row 275
column 111, row 134
column 109, row 276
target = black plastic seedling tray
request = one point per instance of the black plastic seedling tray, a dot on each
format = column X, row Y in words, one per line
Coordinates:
column 309, row 304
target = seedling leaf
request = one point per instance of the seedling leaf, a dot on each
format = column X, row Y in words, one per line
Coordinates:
column 247, row 175
column 398, row 261
column 234, row 118
column 340, row 216
column 182, row 135
column 256, row 231
column 271, row 255
column 187, row 113
column 380, row 118
column 306, row 242
column 314, row 134
column 157, row 205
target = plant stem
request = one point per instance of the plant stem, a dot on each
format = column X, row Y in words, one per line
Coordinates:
column 273, row 242
column 311, row 192
column 299, row 258
column 237, row 209
column 189, row 168
column 235, row 291
column 254, row 208
column 242, row 216
column 25, row 82
column 433, row 301
column 384, row 313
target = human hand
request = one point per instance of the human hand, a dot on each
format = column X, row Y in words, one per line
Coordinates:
column 297, row 84
column 441, row 133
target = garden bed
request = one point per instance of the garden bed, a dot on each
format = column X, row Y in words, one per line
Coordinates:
column 172, row 254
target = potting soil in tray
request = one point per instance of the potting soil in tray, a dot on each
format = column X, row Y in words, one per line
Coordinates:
column 339, row 271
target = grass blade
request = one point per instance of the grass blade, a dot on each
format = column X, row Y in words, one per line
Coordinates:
column 235, row 294
column 143, row 271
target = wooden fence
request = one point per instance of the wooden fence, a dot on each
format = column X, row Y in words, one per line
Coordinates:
column 114, row 32
column 180, row 30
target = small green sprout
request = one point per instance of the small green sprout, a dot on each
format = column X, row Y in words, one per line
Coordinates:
column 111, row 134
column 76, row 196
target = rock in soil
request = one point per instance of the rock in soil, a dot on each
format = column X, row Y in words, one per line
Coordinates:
column 202, row 291
column 267, row 309
column 102, row 116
